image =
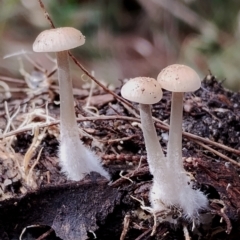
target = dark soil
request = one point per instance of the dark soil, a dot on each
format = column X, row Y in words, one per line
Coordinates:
column 51, row 206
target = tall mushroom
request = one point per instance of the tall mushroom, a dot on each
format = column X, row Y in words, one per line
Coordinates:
column 76, row 160
column 178, row 79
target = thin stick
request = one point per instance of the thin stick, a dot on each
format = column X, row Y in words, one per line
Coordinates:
column 29, row 175
column 43, row 236
column 218, row 154
column 98, row 82
column 42, row 125
column 124, row 177
column 46, row 14
column 28, row 155
column 144, row 234
column 186, row 233
column 205, row 140
column 121, row 139
column 10, row 119
column 126, row 223
column 13, row 80
column 191, row 136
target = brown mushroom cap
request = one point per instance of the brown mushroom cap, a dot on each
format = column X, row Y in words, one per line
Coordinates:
column 179, row 78
column 58, row 39
column 142, row 90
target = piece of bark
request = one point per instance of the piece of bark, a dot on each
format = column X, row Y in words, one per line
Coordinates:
column 71, row 209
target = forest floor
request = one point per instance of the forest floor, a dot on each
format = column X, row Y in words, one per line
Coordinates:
column 38, row 202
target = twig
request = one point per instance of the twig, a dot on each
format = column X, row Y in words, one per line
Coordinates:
column 125, row 157
column 29, row 175
column 126, row 223
column 215, row 205
column 9, row 119
column 16, row 106
column 98, row 82
column 132, row 110
column 42, row 125
column 144, row 234
column 218, row 153
column 138, row 172
column 186, row 232
column 46, row 14
column 25, row 229
column 102, row 118
column 121, row 139
column 6, row 89
column 37, row 139
column 201, row 139
column 13, row 80
column 43, row 236
column 28, row 155
column 125, row 177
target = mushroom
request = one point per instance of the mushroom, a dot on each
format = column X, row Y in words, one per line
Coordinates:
column 179, row 192
column 177, row 79
column 147, row 91
column 76, row 160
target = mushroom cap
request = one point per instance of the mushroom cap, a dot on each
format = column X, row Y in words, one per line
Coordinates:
column 142, row 90
column 58, row 39
column 179, row 78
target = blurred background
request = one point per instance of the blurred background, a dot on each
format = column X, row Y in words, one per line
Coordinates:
column 129, row 38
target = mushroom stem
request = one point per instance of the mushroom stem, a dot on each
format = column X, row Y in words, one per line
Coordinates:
column 67, row 113
column 174, row 148
column 155, row 154
column 76, row 160
column 174, row 187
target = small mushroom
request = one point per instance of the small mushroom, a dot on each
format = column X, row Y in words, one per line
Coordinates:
column 76, row 160
column 147, row 91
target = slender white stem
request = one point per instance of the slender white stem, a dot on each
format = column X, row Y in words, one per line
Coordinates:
column 67, row 112
column 173, row 187
column 76, row 159
column 174, row 148
column 155, row 154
